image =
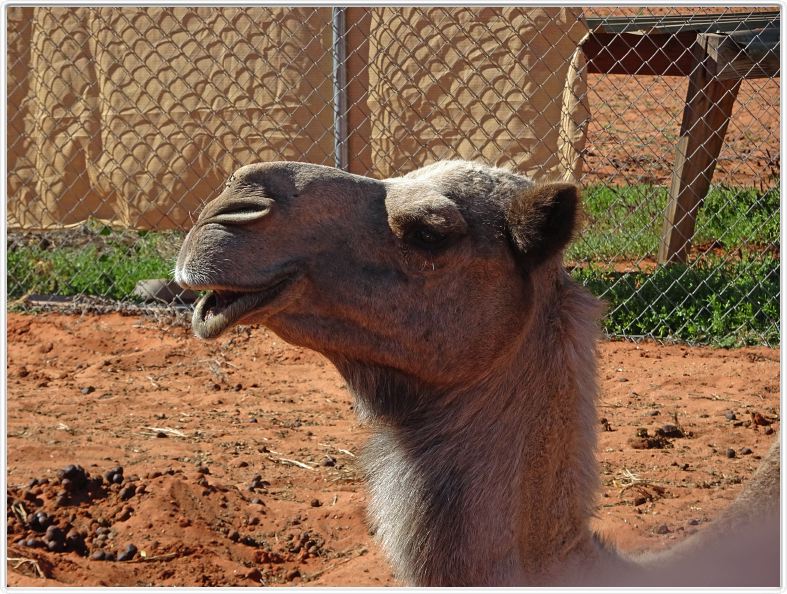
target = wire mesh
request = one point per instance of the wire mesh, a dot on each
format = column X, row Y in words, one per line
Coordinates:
column 123, row 122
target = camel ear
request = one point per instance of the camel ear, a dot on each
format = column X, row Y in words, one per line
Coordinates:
column 542, row 220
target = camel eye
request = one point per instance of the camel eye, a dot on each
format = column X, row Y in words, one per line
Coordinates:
column 425, row 237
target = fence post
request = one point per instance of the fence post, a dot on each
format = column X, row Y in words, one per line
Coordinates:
column 709, row 102
column 339, row 89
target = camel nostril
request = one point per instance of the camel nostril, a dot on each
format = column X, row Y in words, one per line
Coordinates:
column 240, row 212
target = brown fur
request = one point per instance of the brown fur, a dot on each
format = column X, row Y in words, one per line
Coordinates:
column 441, row 298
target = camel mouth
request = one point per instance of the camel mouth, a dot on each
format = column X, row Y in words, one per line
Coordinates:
column 220, row 309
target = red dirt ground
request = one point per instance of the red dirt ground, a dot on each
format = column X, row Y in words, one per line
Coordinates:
column 192, row 423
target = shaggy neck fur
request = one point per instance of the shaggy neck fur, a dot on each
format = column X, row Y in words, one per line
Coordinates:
column 493, row 483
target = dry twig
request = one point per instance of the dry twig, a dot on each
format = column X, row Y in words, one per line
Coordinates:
column 164, row 557
column 291, row 462
column 17, row 562
column 165, row 430
column 632, row 481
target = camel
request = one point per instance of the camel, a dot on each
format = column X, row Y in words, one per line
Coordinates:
column 441, row 298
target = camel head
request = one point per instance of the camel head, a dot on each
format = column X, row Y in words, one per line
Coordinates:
column 429, row 275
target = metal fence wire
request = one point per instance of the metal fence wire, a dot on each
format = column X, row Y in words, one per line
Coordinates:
column 123, row 122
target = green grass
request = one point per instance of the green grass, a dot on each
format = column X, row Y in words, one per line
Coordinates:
column 713, row 302
column 722, row 300
column 624, row 223
column 105, row 263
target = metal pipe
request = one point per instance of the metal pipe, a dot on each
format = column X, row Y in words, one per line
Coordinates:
column 339, row 89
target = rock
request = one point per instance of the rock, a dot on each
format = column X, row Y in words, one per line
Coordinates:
column 98, row 555
column 640, row 500
column 75, row 541
column 647, row 443
column 28, row 495
column 112, row 474
column 745, row 451
column 694, row 522
column 316, row 503
column 39, row 521
column 203, row 470
column 55, row 546
column 328, row 461
column 55, row 533
column 254, row 574
column 128, row 553
column 258, row 483
column 87, row 389
column 654, row 413
column 669, row 430
column 127, row 492
column 769, row 431
column 662, row 529
column 730, row 415
column 291, row 575
column 73, row 477
column 730, row 453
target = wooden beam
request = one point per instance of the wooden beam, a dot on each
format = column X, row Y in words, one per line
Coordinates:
column 723, row 22
column 661, row 54
column 745, row 54
column 663, row 45
column 709, row 102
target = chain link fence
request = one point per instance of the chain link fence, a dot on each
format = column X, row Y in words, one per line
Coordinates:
column 123, row 122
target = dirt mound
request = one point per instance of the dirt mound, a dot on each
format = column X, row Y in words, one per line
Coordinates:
column 149, row 525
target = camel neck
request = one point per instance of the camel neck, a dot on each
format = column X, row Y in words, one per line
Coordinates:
column 494, row 484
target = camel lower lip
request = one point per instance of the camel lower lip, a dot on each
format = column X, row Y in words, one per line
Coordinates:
column 218, row 310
